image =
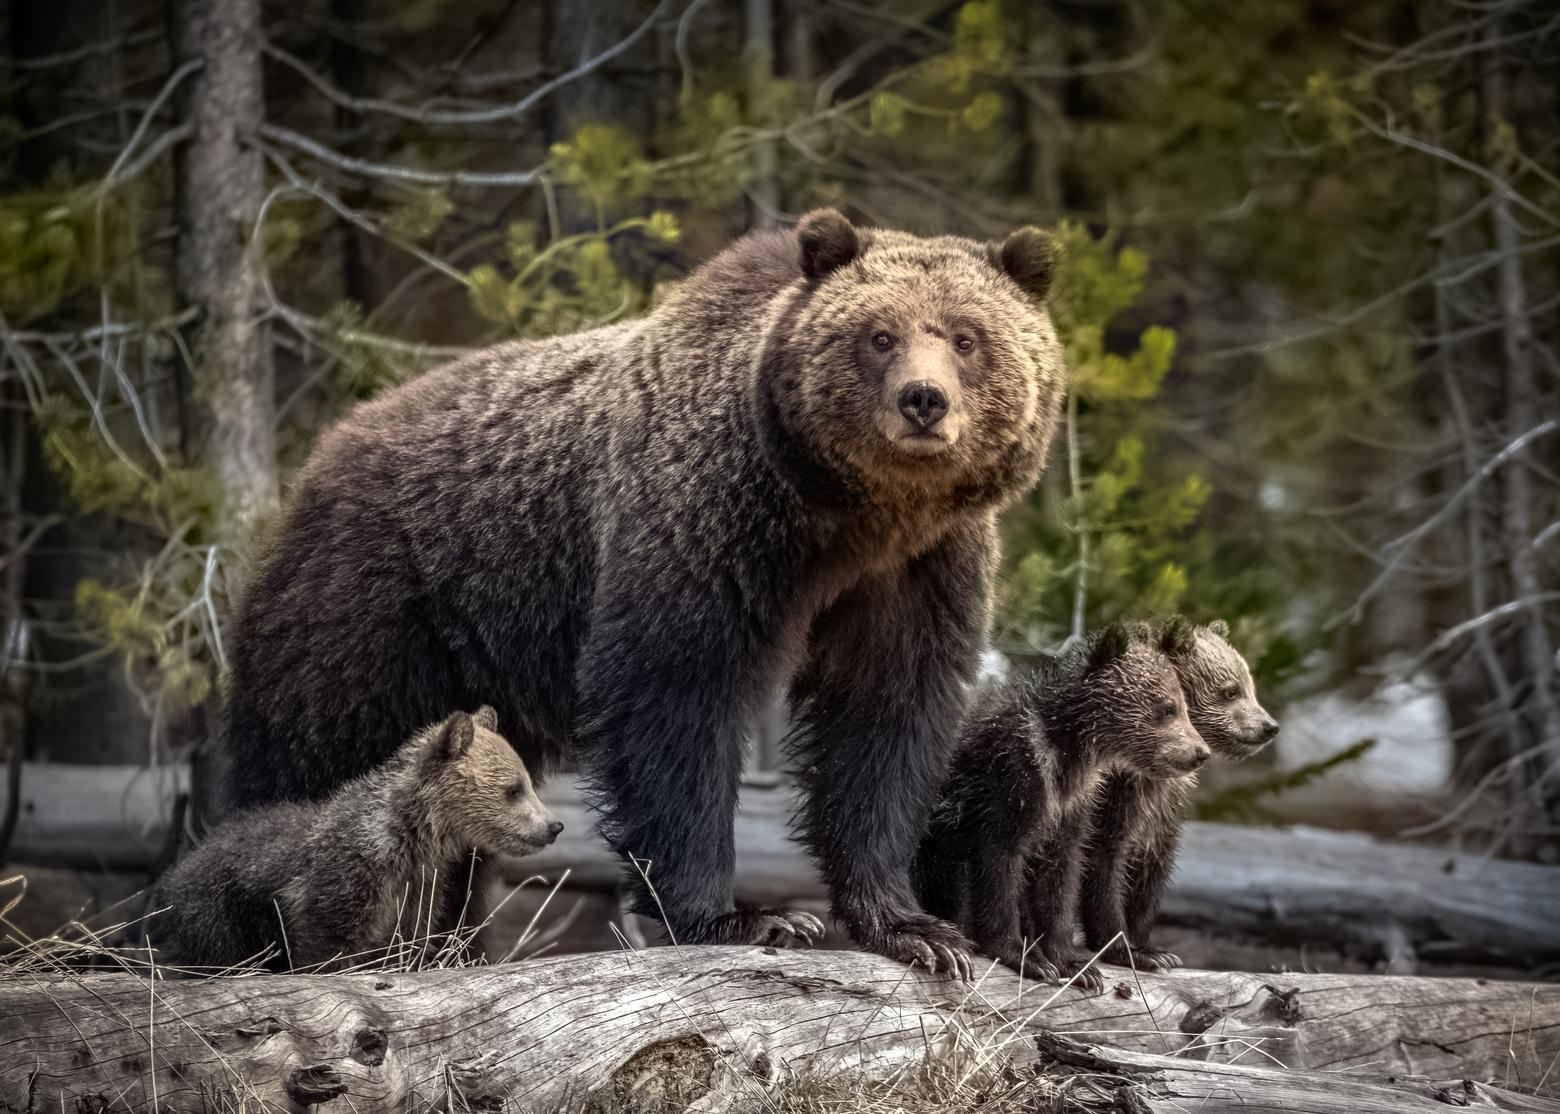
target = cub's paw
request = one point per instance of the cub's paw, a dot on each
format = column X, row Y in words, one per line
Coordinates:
column 921, row 939
column 775, row 928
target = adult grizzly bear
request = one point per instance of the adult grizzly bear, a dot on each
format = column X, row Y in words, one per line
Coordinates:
column 626, row 539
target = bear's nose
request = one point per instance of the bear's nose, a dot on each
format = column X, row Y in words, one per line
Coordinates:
column 923, row 404
column 554, row 828
column 1269, row 729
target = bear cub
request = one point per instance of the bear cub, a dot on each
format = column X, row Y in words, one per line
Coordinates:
column 388, row 854
column 1003, row 854
column 1137, row 823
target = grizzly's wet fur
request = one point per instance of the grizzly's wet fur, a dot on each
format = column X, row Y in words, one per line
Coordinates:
column 389, row 854
column 787, row 474
column 1137, row 825
column 1004, row 851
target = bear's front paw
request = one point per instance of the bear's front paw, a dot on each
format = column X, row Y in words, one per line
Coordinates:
column 1074, row 965
column 920, row 938
column 777, row 928
column 1142, row 959
column 1029, row 962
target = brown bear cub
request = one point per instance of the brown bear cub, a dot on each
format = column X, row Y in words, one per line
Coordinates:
column 1003, row 854
column 389, row 854
column 1137, row 823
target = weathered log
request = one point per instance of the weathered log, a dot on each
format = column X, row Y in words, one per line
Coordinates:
column 1293, row 885
column 715, row 1024
column 96, row 817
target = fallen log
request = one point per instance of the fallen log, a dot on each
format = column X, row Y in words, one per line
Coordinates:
column 1377, row 899
column 723, row 1026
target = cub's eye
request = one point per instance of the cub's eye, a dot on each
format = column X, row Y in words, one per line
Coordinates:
column 882, row 341
column 1164, row 712
column 1230, row 692
column 963, row 343
column 515, row 791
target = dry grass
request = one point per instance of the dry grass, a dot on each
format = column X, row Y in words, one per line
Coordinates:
column 119, row 939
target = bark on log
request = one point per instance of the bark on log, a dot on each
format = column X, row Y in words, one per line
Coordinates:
column 1285, row 885
column 716, row 1024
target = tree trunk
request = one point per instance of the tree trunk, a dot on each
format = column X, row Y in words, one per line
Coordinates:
column 1294, row 886
column 1523, row 403
column 758, row 70
column 667, row 1028
column 218, row 269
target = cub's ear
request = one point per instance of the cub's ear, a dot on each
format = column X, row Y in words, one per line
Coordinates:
column 828, row 240
column 455, row 736
column 486, row 718
column 1108, row 646
column 1029, row 257
column 1220, row 628
column 1177, row 636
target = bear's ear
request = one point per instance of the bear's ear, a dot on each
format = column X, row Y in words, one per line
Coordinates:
column 486, row 718
column 1108, row 646
column 828, row 240
column 1029, row 257
column 1177, row 636
column 1220, row 628
column 455, row 736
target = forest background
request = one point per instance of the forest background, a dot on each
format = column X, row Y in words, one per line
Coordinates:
column 1309, row 305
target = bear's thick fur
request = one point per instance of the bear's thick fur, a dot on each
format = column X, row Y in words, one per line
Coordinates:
column 1004, row 852
column 627, row 539
column 390, row 855
column 1137, row 824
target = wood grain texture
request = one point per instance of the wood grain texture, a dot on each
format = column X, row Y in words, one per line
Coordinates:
column 564, row 1032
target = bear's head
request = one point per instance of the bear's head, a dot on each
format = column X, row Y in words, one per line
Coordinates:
column 920, row 363
column 477, row 792
column 1220, row 694
column 1136, row 710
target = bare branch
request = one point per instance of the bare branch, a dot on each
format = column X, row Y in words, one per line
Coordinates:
column 468, row 118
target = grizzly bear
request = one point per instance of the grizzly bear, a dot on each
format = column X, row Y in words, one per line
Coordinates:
column 785, row 476
column 388, row 856
column 1137, row 824
column 1004, row 850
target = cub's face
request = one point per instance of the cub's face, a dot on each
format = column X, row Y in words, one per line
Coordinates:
column 923, row 357
column 1142, row 722
column 1221, row 697
column 486, row 792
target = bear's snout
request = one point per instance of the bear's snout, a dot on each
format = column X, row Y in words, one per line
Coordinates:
column 923, row 404
column 553, row 829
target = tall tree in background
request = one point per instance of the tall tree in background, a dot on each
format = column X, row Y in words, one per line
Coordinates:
column 217, row 266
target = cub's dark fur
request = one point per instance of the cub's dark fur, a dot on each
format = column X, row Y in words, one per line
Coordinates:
column 314, row 883
column 1138, row 821
column 787, row 474
column 1005, row 846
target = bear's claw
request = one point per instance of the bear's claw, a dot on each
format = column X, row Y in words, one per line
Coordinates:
column 1142, row 959
column 1031, row 963
column 775, row 928
column 923, row 939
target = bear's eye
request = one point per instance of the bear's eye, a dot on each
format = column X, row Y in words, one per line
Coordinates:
column 1230, row 692
column 1164, row 712
column 882, row 341
column 515, row 791
column 963, row 343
